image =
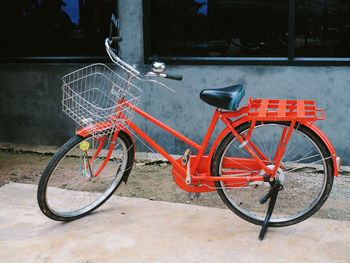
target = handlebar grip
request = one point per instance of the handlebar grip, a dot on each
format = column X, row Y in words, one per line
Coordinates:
column 173, row 76
column 113, row 23
column 117, row 39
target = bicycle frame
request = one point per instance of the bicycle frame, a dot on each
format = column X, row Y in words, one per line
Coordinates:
column 200, row 168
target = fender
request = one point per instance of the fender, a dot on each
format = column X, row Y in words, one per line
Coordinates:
column 326, row 141
column 126, row 176
column 130, row 134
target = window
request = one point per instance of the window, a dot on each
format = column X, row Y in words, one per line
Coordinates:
column 219, row 28
column 322, row 28
column 55, row 28
column 247, row 31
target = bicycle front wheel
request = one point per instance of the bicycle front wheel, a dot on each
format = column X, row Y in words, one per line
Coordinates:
column 306, row 173
column 68, row 188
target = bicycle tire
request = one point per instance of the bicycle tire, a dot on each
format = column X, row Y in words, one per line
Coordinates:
column 245, row 204
column 55, row 203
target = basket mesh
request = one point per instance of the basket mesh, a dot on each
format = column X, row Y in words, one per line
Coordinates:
column 91, row 96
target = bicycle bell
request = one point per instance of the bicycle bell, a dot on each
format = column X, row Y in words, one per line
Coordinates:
column 158, row 67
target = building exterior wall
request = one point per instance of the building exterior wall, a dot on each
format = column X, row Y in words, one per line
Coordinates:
column 30, row 94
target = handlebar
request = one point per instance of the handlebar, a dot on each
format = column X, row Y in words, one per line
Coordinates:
column 117, row 60
column 172, row 76
column 164, row 75
column 113, row 56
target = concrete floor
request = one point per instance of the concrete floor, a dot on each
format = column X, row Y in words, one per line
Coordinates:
column 139, row 230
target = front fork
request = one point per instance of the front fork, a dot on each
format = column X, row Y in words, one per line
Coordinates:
column 87, row 163
column 118, row 115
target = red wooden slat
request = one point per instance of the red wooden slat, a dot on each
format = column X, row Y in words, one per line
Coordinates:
column 263, row 108
column 300, row 109
column 282, row 108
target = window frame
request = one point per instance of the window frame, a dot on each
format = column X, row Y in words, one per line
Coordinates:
column 291, row 60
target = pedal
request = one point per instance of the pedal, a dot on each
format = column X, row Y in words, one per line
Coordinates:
column 186, row 157
column 188, row 174
column 186, row 160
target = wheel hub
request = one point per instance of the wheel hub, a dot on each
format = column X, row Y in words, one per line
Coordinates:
column 279, row 174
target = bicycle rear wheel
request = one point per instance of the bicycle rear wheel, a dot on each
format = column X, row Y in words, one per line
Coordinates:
column 68, row 190
column 306, row 173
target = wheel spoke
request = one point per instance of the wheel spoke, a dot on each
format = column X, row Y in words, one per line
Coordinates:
column 69, row 192
column 303, row 188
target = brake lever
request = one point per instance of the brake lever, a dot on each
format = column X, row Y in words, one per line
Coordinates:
column 153, row 74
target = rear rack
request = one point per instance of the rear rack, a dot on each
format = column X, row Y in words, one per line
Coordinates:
column 283, row 110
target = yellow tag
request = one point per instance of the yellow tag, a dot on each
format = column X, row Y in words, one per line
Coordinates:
column 84, row 145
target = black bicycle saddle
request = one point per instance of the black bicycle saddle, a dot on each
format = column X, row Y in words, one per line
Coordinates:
column 226, row 98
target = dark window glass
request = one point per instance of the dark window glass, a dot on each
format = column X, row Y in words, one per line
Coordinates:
column 55, row 28
column 218, row 28
column 322, row 28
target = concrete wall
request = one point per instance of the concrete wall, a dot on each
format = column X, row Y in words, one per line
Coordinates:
column 30, row 94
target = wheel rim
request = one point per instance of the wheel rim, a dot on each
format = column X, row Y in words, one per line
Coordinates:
column 69, row 191
column 305, row 175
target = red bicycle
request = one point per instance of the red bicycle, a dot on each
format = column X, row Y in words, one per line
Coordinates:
column 268, row 150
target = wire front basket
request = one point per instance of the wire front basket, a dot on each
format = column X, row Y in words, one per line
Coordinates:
column 95, row 97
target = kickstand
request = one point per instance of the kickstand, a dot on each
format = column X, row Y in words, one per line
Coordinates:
column 272, row 194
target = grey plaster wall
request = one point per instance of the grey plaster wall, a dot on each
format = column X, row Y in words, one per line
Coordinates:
column 30, row 94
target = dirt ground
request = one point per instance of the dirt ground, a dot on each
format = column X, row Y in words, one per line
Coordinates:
column 153, row 181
